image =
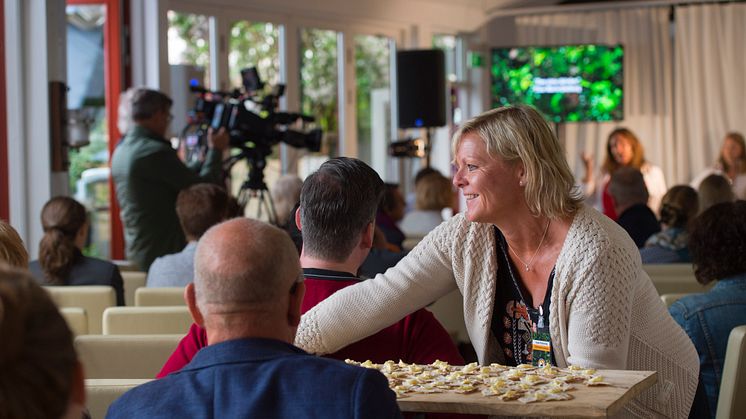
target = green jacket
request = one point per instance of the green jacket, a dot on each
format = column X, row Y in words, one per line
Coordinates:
column 148, row 176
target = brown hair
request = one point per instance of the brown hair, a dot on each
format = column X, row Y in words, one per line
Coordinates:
column 62, row 217
column 737, row 137
column 12, row 250
column 200, row 207
column 715, row 189
column 679, row 206
column 433, row 192
column 610, row 165
column 37, row 358
column 717, row 242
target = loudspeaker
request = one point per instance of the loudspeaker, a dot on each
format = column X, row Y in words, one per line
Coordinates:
column 421, row 88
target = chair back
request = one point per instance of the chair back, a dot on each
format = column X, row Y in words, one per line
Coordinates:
column 731, row 399
column 76, row 320
column 124, row 356
column 94, row 299
column 165, row 296
column 146, row 320
column 671, row 278
column 100, row 393
column 669, row 299
column 133, row 280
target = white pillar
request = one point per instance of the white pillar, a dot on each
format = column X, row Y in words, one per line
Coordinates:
column 149, row 38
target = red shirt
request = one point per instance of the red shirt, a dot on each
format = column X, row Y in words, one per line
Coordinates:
column 418, row 338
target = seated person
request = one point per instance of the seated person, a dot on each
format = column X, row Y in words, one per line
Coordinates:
column 336, row 239
column 285, row 194
column 630, row 195
column 61, row 261
column 714, row 189
column 390, row 212
column 40, row 376
column 433, row 193
column 198, row 207
column 12, row 251
column 679, row 206
column 247, row 295
column 716, row 242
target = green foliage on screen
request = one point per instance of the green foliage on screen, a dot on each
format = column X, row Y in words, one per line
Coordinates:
column 570, row 83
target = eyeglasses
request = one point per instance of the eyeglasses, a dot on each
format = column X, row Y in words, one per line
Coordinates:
column 298, row 280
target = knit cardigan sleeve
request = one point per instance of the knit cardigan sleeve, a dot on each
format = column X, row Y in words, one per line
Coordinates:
column 361, row 310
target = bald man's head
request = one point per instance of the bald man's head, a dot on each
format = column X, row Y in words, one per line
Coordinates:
column 244, row 265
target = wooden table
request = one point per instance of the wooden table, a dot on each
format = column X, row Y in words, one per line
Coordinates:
column 588, row 402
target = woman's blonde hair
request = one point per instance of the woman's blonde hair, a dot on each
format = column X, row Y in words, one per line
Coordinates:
column 37, row 358
column 520, row 134
column 736, row 137
column 12, row 250
column 433, row 193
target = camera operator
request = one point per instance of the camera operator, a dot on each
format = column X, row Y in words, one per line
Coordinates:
column 148, row 176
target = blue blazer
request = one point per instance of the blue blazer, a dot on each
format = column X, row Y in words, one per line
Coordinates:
column 261, row 378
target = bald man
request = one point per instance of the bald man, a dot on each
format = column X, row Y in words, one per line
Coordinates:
column 247, row 294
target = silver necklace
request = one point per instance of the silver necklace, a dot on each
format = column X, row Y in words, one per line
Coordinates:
column 531, row 261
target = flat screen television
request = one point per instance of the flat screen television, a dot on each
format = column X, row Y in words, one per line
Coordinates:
column 568, row 83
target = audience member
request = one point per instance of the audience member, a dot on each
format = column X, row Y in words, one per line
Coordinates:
column 12, row 250
column 148, row 176
column 383, row 255
column 678, row 208
column 390, row 212
column 630, row 197
column 285, row 194
column 411, row 196
column 198, row 207
column 623, row 149
column 731, row 163
column 40, row 376
column 714, row 189
column 717, row 243
column 433, row 193
column 61, row 260
column 336, row 218
column 247, row 295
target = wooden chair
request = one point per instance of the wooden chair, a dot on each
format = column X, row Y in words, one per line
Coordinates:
column 94, row 299
column 146, row 320
column 731, row 400
column 100, row 393
column 132, row 281
column 76, row 320
column 124, row 356
column 166, row 296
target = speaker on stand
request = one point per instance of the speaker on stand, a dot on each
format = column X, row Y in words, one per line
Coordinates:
column 421, row 91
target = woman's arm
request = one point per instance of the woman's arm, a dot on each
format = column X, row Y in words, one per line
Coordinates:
column 361, row 310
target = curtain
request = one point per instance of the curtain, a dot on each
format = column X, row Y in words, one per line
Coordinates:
column 648, row 87
column 710, row 91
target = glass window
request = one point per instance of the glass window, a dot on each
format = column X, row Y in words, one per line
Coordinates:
column 372, row 70
column 88, row 171
column 319, row 87
column 188, row 42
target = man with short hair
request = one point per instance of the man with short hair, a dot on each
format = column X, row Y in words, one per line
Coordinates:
column 148, row 175
column 337, row 218
column 627, row 189
column 199, row 207
column 247, row 295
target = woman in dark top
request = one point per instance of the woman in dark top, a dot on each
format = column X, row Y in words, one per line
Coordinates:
column 61, row 261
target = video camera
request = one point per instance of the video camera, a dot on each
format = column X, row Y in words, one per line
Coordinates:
column 253, row 123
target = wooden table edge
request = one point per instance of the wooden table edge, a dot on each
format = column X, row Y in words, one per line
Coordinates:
column 633, row 391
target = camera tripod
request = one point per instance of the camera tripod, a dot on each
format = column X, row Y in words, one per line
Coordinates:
column 254, row 189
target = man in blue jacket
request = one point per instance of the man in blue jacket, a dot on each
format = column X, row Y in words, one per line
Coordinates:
column 247, row 294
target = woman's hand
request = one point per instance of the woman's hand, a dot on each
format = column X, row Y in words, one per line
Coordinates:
column 588, row 164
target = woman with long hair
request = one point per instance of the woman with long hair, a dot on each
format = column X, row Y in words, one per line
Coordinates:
column 731, row 164
column 623, row 149
column 61, row 261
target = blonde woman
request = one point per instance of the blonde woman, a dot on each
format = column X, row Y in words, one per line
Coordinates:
column 526, row 254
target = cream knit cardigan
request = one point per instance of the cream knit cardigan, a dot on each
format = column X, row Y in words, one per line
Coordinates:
column 605, row 312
